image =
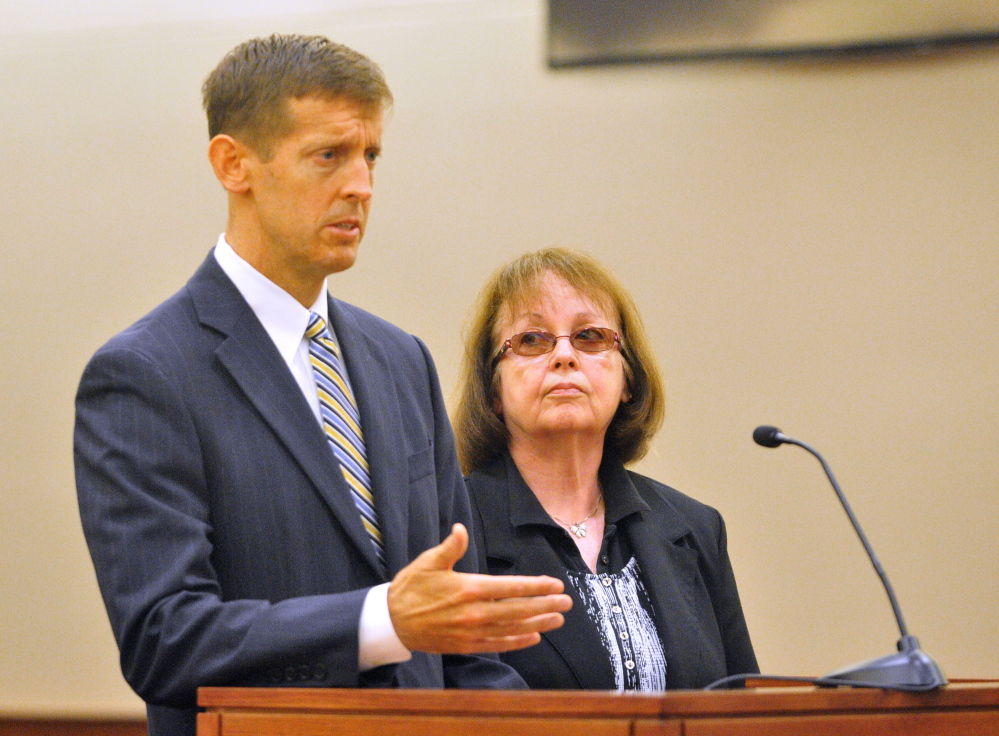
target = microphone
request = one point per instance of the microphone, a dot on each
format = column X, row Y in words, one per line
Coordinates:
column 768, row 436
column 910, row 668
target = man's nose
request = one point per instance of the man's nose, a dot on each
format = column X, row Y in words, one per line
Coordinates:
column 359, row 180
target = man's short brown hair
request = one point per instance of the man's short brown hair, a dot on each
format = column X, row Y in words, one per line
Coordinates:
column 481, row 435
column 246, row 95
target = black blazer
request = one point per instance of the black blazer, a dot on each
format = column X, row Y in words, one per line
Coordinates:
column 680, row 546
column 225, row 541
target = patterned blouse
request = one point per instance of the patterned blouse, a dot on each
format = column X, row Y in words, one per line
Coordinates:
column 619, row 608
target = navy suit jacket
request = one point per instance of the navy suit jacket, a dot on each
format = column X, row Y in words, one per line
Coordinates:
column 681, row 548
column 226, row 544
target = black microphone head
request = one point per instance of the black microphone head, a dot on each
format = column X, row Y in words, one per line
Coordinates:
column 768, row 436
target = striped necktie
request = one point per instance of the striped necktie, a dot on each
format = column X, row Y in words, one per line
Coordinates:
column 343, row 425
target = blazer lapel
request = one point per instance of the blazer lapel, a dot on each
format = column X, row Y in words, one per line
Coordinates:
column 251, row 358
column 370, row 373
column 577, row 641
column 670, row 573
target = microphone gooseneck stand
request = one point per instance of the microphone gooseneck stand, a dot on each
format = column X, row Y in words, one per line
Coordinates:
column 909, row 669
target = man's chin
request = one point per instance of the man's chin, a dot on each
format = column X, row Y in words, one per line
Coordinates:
column 341, row 258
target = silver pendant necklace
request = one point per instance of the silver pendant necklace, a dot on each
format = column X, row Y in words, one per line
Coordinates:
column 579, row 527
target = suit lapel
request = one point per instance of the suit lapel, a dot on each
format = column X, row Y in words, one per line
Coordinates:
column 370, row 373
column 250, row 357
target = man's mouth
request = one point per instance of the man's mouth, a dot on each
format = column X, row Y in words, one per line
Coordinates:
column 349, row 227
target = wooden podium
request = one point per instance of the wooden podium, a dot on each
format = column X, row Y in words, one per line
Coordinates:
column 967, row 709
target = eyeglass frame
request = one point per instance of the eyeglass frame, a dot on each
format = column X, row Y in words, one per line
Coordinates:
column 508, row 344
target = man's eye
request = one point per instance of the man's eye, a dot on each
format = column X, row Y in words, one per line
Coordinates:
column 371, row 156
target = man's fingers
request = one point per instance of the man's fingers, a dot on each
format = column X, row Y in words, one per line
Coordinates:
column 496, row 587
column 522, row 626
column 509, row 642
column 515, row 616
column 446, row 554
column 536, row 606
column 520, row 609
column 435, row 609
column 503, row 643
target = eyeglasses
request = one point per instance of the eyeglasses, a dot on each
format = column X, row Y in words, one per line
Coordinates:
column 587, row 340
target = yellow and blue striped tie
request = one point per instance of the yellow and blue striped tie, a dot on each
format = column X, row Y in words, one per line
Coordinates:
column 342, row 423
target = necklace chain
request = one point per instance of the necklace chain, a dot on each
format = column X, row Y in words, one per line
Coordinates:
column 578, row 528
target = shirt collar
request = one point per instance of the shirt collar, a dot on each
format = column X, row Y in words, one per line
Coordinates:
column 621, row 498
column 284, row 319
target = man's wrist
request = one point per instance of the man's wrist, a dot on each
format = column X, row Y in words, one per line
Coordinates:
column 377, row 641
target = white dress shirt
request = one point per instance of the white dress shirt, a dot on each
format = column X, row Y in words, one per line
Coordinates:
column 285, row 321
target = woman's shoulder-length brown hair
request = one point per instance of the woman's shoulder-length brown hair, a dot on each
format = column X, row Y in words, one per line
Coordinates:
column 481, row 435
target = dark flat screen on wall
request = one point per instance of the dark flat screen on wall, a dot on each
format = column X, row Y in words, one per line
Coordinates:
column 608, row 31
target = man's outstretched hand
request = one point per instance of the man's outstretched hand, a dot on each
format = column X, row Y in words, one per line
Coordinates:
column 435, row 609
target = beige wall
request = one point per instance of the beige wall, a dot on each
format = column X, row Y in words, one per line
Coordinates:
column 812, row 246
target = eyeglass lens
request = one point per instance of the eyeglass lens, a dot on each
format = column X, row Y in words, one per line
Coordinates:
column 589, row 340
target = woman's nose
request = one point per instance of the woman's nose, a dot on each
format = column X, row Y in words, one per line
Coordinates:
column 563, row 353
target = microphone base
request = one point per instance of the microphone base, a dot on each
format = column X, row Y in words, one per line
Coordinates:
column 910, row 669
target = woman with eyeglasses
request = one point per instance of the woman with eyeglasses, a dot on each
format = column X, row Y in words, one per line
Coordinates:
column 560, row 392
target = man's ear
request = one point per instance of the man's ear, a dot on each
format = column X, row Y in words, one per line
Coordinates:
column 229, row 159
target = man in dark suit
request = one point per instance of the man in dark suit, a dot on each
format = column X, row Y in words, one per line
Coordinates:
column 249, row 523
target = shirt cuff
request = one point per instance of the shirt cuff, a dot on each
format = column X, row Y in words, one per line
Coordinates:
column 376, row 638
